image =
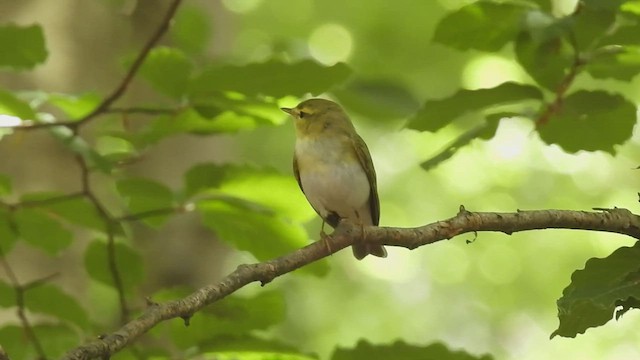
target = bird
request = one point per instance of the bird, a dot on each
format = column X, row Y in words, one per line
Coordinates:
column 334, row 170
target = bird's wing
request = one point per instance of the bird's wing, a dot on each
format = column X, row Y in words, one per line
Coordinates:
column 296, row 172
column 364, row 157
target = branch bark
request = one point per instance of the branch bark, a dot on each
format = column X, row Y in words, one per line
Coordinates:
column 620, row 221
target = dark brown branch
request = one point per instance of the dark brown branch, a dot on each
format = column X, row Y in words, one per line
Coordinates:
column 619, row 221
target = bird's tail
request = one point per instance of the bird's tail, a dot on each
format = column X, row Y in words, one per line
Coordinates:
column 362, row 249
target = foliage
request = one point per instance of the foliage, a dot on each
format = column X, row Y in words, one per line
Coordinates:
column 259, row 210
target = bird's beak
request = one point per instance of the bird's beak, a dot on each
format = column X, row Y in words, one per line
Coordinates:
column 289, row 111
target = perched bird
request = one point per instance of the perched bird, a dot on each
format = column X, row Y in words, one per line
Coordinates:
column 334, row 169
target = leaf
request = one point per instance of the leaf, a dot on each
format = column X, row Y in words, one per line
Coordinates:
column 49, row 299
column 377, row 100
column 167, row 70
column 272, row 78
column 590, row 120
column 80, row 146
column 435, row 114
column 234, row 316
column 274, row 191
column 22, row 47
column 402, row 351
column 195, row 121
column 590, row 23
column 5, row 185
column 264, row 235
column 7, row 230
column 142, row 195
column 54, row 339
column 7, row 295
column 592, row 296
column 617, row 63
column 203, row 177
column 544, row 51
column 75, row 106
column 475, row 27
column 40, row 230
column 79, row 211
column 191, row 29
column 11, row 105
column 250, row 347
column 128, row 262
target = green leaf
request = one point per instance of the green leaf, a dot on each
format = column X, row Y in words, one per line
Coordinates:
column 5, row 185
column 11, row 105
column 590, row 120
column 272, row 78
column 617, row 63
column 167, row 70
column 436, row 114
column 274, row 191
column 191, row 29
column 128, row 262
column 475, row 27
column 377, row 100
column 7, row 295
column 625, row 32
column 195, row 121
column 264, row 235
column 7, row 230
column 49, row 299
column 75, row 106
column 22, row 46
column 233, row 316
column 590, row 24
column 203, row 177
column 40, row 230
column 592, row 296
column 544, row 51
column 79, row 211
column 80, row 146
column 249, row 347
column 54, row 339
column 142, row 195
column 403, row 351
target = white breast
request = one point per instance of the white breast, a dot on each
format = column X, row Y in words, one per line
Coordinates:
column 333, row 180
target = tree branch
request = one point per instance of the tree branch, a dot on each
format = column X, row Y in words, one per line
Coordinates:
column 105, row 106
column 619, row 221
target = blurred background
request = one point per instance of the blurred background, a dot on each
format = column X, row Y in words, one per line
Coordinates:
column 494, row 295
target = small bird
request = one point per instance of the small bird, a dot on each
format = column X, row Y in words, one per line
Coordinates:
column 334, row 169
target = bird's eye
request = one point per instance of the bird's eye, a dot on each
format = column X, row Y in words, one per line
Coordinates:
column 302, row 114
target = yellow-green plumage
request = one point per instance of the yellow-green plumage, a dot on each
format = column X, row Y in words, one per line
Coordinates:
column 334, row 169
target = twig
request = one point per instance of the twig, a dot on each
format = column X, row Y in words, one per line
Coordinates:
column 20, row 311
column 150, row 213
column 137, row 63
column 104, row 106
column 109, row 223
column 619, row 221
column 555, row 106
column 42, row 202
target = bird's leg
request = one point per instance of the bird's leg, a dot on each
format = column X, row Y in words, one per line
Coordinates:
column 325, row 237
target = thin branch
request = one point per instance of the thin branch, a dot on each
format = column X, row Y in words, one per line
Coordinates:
column 150, row 213
column 566, row 82
column 619, row 221
column 110, row 224
column 105, row 105
column 21, row 308
column 137, row 63
column 141, row 111
column 42, row 202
